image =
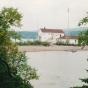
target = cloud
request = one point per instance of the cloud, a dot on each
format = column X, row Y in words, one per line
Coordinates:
column 48, row 13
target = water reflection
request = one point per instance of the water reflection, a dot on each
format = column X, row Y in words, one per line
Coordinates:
column 58, row 69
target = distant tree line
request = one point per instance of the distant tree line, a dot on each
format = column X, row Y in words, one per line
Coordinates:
column 27, row 34
column 33, row 35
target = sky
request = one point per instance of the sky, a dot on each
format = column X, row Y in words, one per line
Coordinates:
column 51, row 14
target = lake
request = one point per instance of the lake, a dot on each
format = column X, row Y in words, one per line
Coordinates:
column 58, row 69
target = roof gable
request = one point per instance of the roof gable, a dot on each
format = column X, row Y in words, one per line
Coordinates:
column 52, row 30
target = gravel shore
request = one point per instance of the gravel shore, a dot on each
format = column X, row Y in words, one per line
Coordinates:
column 50, row 48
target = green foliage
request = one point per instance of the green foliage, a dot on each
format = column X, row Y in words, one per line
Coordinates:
column 60, row 43
column 85, row 80
column 67, row 41
column 45, row 43
column 64, row 43
column 12, row 82
column 14, row 70
column 84, row 21
column 84, row 86
column 11, row 16
column 37, row 42
column 83, row 40
column 33, row 43
column 18, row 60
column 14, row 35
column 83, row 35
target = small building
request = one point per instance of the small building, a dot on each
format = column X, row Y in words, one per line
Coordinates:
column 69, row 39
column 50, row 35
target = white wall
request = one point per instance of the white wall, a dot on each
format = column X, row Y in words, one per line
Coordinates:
column 49, row 37
column 71, row 41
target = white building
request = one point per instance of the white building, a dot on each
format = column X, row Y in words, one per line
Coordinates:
column 50, row 35
column 69, row 39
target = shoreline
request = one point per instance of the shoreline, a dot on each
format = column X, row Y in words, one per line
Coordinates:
column 50, row 48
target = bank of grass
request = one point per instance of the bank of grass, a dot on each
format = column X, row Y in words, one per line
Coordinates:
column 28, row 43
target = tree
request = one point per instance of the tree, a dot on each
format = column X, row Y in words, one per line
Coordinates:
column 83, row 35
column 84, row 21
column 83, row 39
column 14, row 71
column 14, row 35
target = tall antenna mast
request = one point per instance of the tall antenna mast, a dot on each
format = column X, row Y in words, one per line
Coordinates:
column 37, row 19
column 68, row 18
column 37, row 26
column 68, row 24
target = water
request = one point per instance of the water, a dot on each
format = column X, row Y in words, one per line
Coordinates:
column 58, row 69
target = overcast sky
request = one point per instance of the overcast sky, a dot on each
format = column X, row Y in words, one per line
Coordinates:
column 51, row 14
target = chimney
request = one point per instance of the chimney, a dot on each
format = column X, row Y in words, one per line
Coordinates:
column 44, row 28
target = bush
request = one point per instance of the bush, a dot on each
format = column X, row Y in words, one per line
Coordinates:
column 64, row 43
column 45, row 43
column 30, row 43
column 21, row 43
column 60, row 43
column 37, row 42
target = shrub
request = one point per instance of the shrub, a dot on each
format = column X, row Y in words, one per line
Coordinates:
column 45, row 43
column 60, row 43
column 37, row 42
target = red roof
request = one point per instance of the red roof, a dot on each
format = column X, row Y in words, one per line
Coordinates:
column 52, row 30
column 68, row 37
